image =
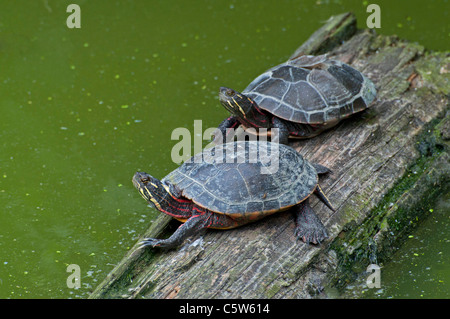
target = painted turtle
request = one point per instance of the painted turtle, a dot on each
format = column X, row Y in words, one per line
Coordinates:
column 301, row 98
column 233, row 184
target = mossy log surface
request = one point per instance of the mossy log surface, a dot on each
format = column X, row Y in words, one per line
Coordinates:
column 389, row 164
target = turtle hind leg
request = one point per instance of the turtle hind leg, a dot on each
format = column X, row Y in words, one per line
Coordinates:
column 320, row 169
column 194, row 224
column 308, row 227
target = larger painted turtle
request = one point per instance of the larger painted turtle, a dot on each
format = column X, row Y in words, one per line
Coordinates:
column 301, row 98
column 233, row 184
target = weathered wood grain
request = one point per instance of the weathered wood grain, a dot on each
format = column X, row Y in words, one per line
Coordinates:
column 386, row 168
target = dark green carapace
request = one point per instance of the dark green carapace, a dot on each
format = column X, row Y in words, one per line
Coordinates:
column 233, row 184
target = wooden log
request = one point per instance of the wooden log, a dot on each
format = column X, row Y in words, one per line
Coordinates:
column 389, row 164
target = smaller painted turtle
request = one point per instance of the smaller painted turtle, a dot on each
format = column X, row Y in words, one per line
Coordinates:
column 233, row 184
column 301, row 98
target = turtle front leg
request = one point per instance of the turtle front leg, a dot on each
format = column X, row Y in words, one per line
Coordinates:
column 282, row 133
column 190, row 227
column 309, row 228
column 225, row 130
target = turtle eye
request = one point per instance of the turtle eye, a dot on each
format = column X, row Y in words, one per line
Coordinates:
column 229, row 92
column 145, row 180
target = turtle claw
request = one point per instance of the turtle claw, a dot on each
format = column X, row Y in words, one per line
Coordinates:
column 311, row 237
column 150, row 242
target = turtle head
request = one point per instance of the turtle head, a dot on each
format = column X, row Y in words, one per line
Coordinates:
column 236, row 103
column 150, row 188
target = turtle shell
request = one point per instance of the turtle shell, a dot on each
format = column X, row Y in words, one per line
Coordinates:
column 245, row 178
column 312, row 89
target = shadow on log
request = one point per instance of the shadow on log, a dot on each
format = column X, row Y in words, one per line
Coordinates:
column 389, row 164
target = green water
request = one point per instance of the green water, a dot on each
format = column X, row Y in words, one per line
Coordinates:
column 82, row 109
column 420, row 268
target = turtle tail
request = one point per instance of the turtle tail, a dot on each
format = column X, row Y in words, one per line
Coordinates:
column 319, row 192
